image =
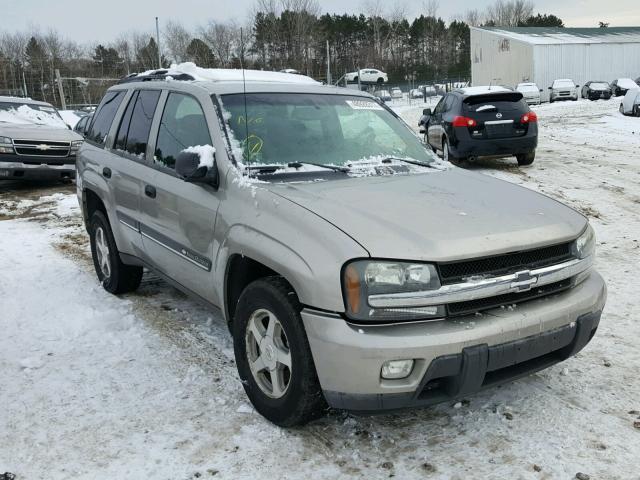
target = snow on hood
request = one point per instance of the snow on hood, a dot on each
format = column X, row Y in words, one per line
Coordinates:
column 627, row 83
column 25, row 115
column 230, row 75
column 205, row 153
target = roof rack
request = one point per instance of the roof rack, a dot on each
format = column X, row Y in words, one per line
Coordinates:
column 162, row 74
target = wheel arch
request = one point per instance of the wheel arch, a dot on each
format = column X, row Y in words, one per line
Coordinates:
column 240, row 271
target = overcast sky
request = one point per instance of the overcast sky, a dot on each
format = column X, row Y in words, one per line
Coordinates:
column 89, row 20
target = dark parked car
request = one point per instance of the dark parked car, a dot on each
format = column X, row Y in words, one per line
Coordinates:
column 596, row 89
column 482, row 122
column 83, row 124
column 620, row 86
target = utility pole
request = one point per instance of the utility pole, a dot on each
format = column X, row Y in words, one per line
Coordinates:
column 158, row 43
column 359, row 84
column 329, row 82
column 63, row 102
column 24, row 84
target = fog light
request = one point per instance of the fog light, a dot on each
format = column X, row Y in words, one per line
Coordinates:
column 395, row 369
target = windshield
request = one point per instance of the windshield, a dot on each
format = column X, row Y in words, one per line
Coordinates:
column 30, row 113
column 564, row 84
column 527, row 88
column 599, row 85
column 284, row 128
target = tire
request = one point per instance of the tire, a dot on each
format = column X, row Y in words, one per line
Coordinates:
column 380, row 81
column 621, row 109
column 298, row 398
column 636, row 110
column 355, row 79
column 447, row 156
column 115, row 276
column 551, row 100
column 526, row 158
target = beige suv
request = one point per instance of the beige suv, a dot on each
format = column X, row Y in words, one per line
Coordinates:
column 355, row 269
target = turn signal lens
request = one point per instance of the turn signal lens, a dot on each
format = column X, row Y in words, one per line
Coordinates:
column 352, row 287
column 460, row 121
column 529, row 117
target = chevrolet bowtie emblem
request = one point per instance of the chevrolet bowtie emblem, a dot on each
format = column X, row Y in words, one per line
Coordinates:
column 43, row 146
column 524, row 281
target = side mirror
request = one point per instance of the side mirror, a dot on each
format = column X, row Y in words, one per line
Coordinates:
column 426, row 112
column 189, row 169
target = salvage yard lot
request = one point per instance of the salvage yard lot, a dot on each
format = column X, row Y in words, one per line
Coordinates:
column 145, row 386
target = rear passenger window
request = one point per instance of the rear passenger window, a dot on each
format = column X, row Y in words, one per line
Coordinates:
column 135, row 126
column 103, row 118
column 183, row 125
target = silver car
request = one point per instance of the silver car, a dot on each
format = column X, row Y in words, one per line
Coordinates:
column 355, row 269
column 35, row 143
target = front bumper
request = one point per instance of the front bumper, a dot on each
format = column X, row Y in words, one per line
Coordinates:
column 37, row 168
column 454, row 357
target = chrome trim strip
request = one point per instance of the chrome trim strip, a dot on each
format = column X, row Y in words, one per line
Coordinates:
column 483, row 288
column 135, row 229
column 498, row 122
column 180, row 254
column 42, row 166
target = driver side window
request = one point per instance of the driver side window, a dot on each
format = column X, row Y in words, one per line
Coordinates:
column 440, row 107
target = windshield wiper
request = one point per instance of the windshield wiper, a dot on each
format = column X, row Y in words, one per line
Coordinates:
column 330, row 167
column 412, row 162
column 274, row 168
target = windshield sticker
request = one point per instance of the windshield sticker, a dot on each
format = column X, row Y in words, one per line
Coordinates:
column 363, row 105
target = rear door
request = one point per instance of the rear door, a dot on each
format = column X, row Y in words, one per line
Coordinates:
column 434, row 132
column 129, row 165
column 496, row 115
column 178, row 217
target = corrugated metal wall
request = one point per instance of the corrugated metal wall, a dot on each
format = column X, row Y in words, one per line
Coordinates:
column 584, row 62
column 502, row 60
column 499, row 60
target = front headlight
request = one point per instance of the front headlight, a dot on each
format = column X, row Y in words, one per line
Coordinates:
column 6, row 145
column 75, row 145
column 585, row 245
column 362, row 278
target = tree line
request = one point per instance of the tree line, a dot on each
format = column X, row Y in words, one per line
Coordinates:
column 281, row 34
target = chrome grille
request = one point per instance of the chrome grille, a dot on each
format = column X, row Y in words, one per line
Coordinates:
column 454, row 272
column 45, row 148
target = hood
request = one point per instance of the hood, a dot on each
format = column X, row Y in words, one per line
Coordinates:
column 31, row 131
column 438, row 216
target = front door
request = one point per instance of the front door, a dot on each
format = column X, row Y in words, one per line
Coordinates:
column 434, row 130
column 178, row 218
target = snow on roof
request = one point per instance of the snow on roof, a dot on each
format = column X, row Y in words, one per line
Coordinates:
column 481, row 90
column 22, row 100
column 232, row 75
column 551, row 36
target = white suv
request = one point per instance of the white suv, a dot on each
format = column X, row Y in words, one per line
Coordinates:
column 367, row 75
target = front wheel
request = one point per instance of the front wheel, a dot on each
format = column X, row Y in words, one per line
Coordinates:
column 115, row 276
column 273, row 355
column 621, row 109
column 526, row 158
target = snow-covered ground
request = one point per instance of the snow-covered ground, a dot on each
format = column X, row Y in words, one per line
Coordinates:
column 94, row 386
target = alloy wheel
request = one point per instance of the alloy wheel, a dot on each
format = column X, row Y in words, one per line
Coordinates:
column 102, row 252
column 268, row 353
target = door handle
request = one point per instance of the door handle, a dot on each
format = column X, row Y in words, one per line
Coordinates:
column 106, row 172
column 150, row 191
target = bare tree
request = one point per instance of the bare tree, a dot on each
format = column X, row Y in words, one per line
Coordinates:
column 509, row 13
column 431, row 7
column 176, row 39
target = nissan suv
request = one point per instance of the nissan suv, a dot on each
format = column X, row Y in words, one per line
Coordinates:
column 477, row 122
column 355, row 269
column 35, row 143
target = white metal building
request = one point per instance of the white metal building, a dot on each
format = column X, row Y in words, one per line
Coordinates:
column 508, row 56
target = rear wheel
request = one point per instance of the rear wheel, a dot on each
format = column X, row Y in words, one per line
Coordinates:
column 115, row 276
column 355, row 79
column 273, row 355
column 447, row 156
column 621, row 109
column 526, row 158
column 380, row 80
